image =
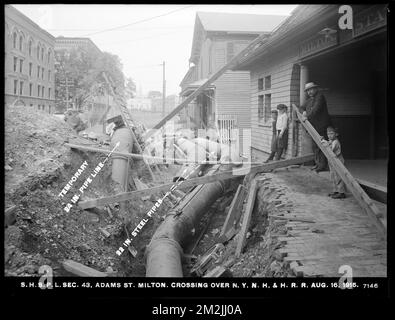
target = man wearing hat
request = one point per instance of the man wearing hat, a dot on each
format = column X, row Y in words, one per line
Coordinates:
column 316, row 111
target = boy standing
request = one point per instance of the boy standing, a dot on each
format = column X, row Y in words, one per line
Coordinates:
column 273, row 148
column 338, row 184
column 282, row 130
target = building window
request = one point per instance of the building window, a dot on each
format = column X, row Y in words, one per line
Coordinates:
column 30, row 69
column 229, row 51
column 38, row 52
column 21, row 88
column 30, row 47
column 268, row 106
column 49, row 93
column 49, row 75
column 15, row 63
column 42, row 91
column 268, row 82
column 260, row 84
column 20, row 43
column 15, row 87
column 20, row 65
column 42, row 73
column 14, row 39
column 38, row 90
column 30, row 89
column 42, row 54
column 260, row 106
column 38, row 71
column 49, row 56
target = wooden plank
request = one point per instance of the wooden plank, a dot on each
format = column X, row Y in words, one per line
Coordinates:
column 231, row 174
column 362, row 198
column 247, row 217
column 234, row 210
column 231, row 64
column 9, row 216
column 81, row 270
column 291, row 218
column 374, row 191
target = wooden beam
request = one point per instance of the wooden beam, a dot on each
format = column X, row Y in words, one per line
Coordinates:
column 374, row 191
column 362, row 198
column 146, row 157
column 290, row 218
column 231, row 64
column 9, row 216
column 81, row 270
column 247, row 217
column 235, row 210
column 231, row 174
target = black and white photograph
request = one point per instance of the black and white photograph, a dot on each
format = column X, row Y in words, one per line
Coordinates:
column 193, row 142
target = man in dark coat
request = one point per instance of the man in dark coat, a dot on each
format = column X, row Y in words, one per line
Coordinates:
column 273, row 147
column 316, row 111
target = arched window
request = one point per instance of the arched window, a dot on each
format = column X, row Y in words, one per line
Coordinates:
column 42, row 54
column 20, row 43
column 49, row 56
column 14, row 39
column 30, row 47
column 38, row 52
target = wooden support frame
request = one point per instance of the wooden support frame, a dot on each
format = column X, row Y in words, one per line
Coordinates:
column 362, row 198
column 234, row 211
column 247, row 216
column 231, row 174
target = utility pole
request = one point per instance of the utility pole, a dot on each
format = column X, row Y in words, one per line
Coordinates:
column 164, row 92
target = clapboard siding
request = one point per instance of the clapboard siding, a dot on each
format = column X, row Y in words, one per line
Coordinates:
column 233, row 96
column 284, row 86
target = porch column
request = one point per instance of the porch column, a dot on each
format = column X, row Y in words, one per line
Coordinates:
column 307, row 141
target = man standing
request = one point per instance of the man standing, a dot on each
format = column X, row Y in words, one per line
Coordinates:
column 273, row 148
column 282, row 130
column 316, row 111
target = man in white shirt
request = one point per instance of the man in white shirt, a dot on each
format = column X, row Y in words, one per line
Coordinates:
column 282, row 130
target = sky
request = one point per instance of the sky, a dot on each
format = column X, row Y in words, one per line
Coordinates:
column 143, row 36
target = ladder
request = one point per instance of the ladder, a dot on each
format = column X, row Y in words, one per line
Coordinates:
column 127, row 119
column 362, row 198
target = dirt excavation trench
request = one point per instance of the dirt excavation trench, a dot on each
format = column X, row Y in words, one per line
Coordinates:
column 43, row 233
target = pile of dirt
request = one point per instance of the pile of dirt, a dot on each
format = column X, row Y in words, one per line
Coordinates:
column 38, row 166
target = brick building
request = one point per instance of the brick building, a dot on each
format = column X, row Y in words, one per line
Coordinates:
column 29, row 62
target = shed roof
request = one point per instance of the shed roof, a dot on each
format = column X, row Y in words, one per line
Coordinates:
column 299, row 16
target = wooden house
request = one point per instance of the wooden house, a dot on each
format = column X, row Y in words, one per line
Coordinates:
column 349, row 64
column 217, row 38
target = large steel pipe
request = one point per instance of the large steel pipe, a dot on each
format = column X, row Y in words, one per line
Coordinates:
column 164, row 252
column 120, row 163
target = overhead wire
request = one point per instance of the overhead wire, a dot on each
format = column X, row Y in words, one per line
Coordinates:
column 136, row 22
